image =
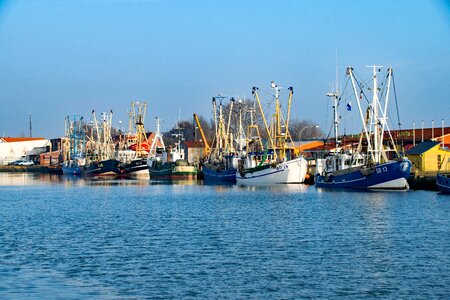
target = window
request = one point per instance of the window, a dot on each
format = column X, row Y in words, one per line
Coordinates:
column 439, row 161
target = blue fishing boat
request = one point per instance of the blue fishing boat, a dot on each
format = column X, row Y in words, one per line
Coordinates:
column 212, row 175
column 443, row 183
column 72, row 168
column 223, row 171
column 390, row 175
column 220, row 164
column 369, row 166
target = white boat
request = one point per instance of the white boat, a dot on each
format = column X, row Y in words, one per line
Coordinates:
column 219, row 165
column 291, row 171
column 276, row 163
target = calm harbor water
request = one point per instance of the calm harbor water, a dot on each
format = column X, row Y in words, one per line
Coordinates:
column 71, row 239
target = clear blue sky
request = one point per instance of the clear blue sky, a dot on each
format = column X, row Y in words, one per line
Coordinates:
column 63, row 57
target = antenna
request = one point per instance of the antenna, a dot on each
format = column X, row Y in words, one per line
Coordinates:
column 31, row 131
column 335, row 96
column 337, row 73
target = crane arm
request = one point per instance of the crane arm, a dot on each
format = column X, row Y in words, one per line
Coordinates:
column 205, row 142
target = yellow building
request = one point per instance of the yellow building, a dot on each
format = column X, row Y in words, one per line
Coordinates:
column 429, row 156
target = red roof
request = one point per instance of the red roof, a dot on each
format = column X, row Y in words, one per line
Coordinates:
column 20, row 139
column 428, row 133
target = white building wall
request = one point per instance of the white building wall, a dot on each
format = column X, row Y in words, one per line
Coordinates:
column 13, row 151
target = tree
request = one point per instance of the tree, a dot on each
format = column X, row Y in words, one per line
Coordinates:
column 304, row 130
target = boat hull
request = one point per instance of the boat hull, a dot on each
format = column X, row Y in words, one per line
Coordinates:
column 169, row 171
column 216, row 176
column 135, row 168
column 292, row 171
column 443, row 183
column 75, row 170
column 391, row 175
column 107, row 167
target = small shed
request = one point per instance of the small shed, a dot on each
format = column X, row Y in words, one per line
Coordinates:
column 50, row 158
column 429, row 156
column 193, row 151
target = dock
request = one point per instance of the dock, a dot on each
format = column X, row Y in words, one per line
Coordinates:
column 31, row 169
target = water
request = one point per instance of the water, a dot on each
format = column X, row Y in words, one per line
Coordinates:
column 72, row 239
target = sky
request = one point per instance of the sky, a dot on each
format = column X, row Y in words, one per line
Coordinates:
column 67, row 57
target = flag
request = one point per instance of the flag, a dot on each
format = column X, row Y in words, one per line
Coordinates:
column 349, row 106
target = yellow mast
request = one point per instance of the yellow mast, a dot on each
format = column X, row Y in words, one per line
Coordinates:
column 140, row 129
column 250, row 129
column 228, row 135
column 254, row 91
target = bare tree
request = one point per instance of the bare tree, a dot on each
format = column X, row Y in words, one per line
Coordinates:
column 304, row 130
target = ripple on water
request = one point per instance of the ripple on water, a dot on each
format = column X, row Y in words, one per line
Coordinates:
column 139, row 240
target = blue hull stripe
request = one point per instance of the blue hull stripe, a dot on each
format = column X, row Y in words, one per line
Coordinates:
column 218, row 176
column 383, row 173
column 443, row 183
column 262, row 175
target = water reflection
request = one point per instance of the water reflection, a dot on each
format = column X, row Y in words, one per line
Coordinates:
column 276, row 187
column 29, row 179
column 373, row 191
column 175, row 182
column 25, row 179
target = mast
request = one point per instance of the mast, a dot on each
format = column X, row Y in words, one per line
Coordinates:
column 74, row 137
column 376, row 127
column 363, row 119
column 253, row 127
column 277, row 123
column 157, row 137
column 30, row 121
column 140, row 129
column 384, row 118
column 376, row 120
column 220, row 144
column 131, row 120
column 272, row 145
column 240, row 126
column 215, row 116
column 31, row 131
column 221, row 136
column 291, row 92
column 229, row 119
column 335, row 96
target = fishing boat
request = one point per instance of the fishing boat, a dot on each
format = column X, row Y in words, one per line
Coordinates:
column 443, row 180
column 105, row 167
column 100, row 156
column 74, row 155
column 169, row 164
column 134, row 151
column 443, row 183
column 374, row 164
column 276, row 163
column 220, row 162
